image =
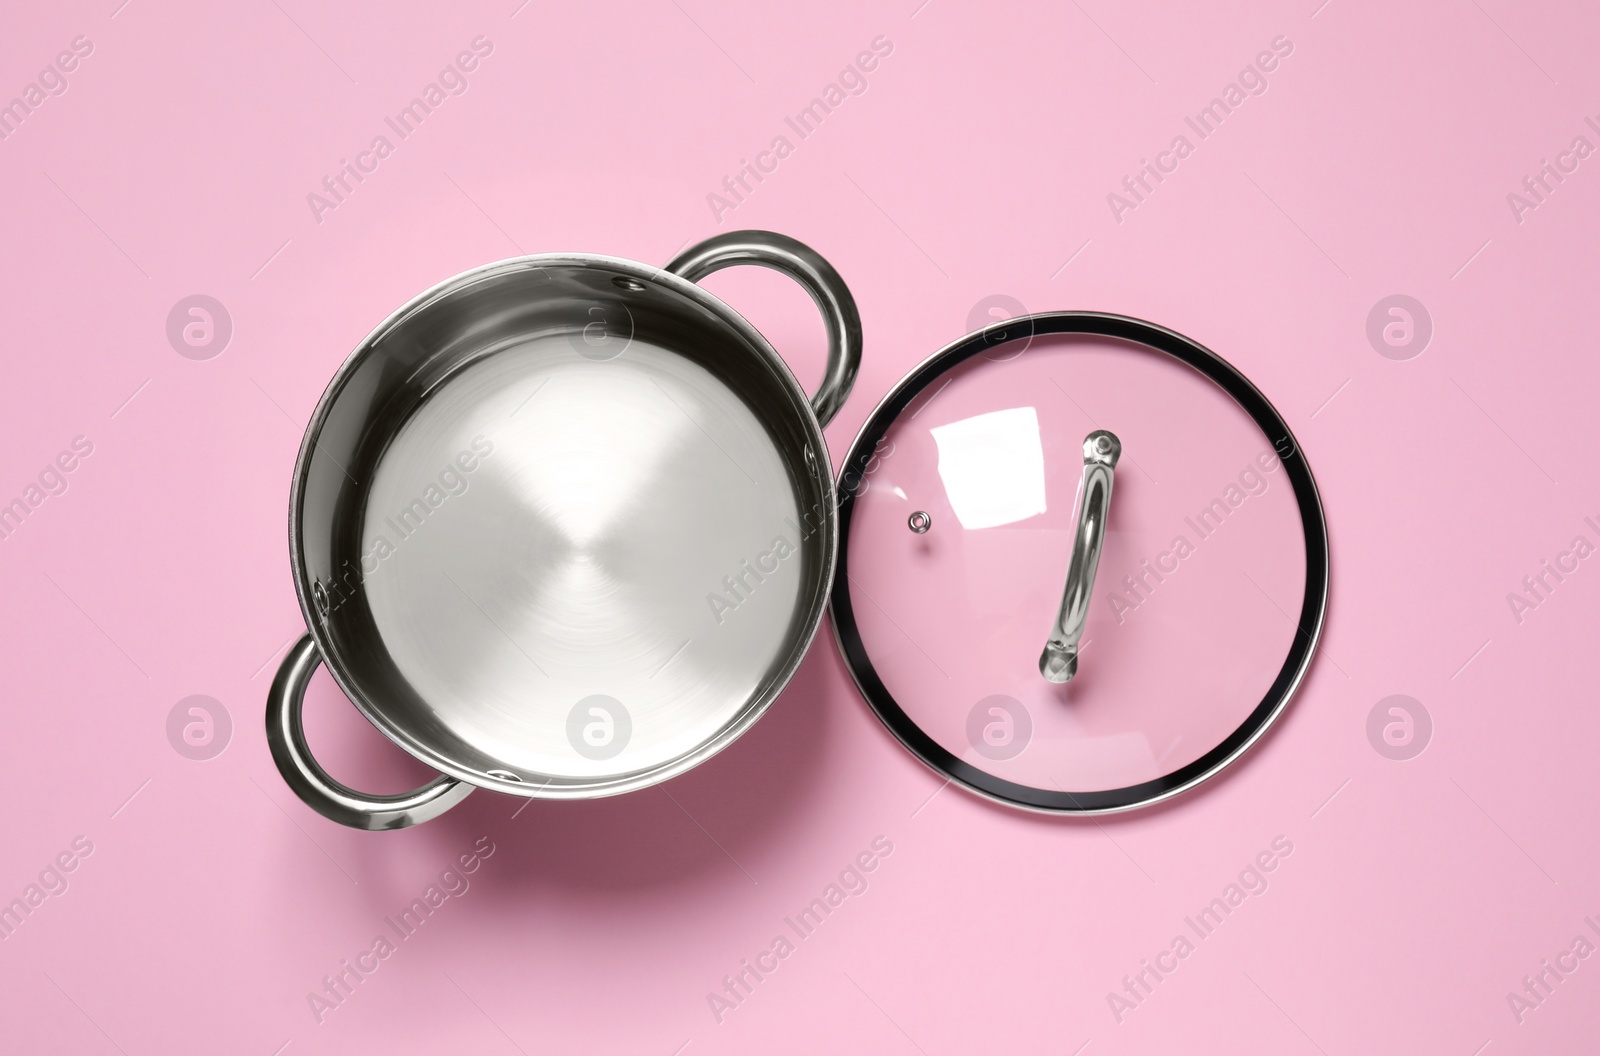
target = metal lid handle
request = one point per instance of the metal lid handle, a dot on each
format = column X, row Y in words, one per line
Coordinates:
column 1059, row 661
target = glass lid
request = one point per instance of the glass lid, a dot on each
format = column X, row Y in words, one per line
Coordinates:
column 1084, row 564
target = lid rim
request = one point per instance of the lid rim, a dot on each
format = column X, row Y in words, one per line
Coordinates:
column 1309, row 626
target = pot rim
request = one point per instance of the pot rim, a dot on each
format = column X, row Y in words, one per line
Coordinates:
column 754, row 707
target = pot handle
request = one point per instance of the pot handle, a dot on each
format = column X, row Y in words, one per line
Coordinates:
column 800, row 262
column 286, row 737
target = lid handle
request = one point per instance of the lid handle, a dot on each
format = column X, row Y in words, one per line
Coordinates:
column 1059, row 661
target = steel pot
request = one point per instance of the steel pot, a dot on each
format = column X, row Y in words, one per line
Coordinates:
column 563, row 526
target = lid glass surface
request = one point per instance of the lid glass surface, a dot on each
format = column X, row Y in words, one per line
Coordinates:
column 959, row 508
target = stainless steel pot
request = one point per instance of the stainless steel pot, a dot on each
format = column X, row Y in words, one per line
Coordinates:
column 563, row 526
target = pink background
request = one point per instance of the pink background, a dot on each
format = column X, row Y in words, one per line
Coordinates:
column 978, row 161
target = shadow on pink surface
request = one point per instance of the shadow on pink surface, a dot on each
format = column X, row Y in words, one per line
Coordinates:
column 722, row 813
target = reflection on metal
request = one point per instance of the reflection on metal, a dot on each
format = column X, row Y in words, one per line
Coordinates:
column 1059, row 661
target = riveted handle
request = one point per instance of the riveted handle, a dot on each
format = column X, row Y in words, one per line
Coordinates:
column 1059, row 661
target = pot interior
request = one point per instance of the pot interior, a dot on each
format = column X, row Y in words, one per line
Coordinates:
column 565, row 526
